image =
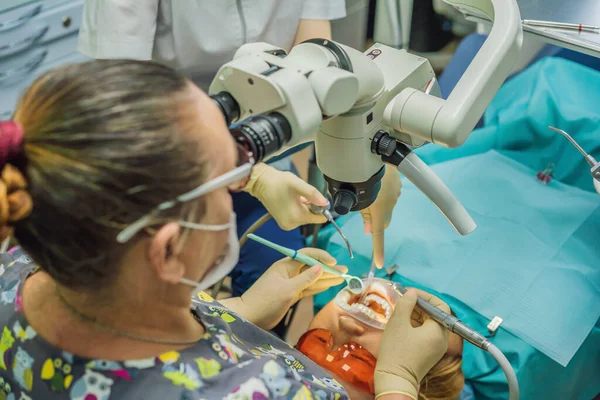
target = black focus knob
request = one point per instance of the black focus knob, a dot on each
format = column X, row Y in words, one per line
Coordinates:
column 387, row 146
column 383, row 144
column 343, row 201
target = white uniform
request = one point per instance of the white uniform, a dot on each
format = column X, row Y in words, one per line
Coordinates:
column 195, row 37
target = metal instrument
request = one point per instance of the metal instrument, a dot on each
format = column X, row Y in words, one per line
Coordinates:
column 563, row 25
column 595, row 170
column 325, row 211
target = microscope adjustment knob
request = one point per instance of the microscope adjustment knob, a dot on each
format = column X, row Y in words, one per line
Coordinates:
column 343, row 201
column 383, row 144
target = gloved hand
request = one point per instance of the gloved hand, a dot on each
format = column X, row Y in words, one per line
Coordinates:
column 407, row 353
column 377, row 216
column 282, row 285
column 285, row 196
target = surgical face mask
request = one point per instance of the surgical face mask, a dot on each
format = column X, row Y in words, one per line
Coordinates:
column 234, row 180
column 224, row 263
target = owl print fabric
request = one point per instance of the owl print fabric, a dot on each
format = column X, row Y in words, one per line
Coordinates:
column 234, row 361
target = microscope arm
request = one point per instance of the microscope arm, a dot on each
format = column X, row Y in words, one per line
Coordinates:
column 449, row 122
column 345, row 99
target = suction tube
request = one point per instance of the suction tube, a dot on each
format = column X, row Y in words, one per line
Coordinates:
column 419, row 173
column 509, row 372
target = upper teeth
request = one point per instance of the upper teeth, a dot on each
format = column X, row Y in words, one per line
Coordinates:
column 381, row 301
column 345, row 297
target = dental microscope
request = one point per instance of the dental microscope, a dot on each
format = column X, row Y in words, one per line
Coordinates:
column 365, row 110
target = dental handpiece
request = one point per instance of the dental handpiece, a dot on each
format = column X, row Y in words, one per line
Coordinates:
column 454, row 325
column 450, row 322
column 315, row 209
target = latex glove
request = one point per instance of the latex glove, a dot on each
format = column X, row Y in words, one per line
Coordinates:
column 407, row 353
column 377, row 216
column 285, row 196
column 283, row 284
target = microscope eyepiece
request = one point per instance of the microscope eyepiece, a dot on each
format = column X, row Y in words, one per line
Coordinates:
column 263, row 135
column 229, row 107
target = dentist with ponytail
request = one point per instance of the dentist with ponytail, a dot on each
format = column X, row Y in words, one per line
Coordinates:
column 117, row 190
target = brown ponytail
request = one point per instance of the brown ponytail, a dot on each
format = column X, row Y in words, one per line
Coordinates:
column 105, row 142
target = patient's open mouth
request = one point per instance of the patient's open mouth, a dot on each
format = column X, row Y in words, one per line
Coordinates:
column 378, row 304
column 375, row 305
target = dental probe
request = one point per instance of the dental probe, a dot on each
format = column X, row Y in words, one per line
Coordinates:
column 588, row 157
column 455, row 325
column 315, row 209
column 355, row 284
column 595, row 170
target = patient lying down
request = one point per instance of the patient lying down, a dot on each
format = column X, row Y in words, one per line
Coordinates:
column 344, row 338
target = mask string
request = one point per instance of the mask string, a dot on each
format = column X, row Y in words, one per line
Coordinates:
column 189, row 282
column 205, row 227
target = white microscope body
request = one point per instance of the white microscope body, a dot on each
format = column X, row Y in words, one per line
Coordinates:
column 365, row 110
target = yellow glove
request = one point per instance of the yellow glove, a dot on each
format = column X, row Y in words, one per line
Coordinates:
column 407, row 353
column 282, row 285
column 377, row 216
column 285, row 196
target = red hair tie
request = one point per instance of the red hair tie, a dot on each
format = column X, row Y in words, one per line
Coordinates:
column 11, row 139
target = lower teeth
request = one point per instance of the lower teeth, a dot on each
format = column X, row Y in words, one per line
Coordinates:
column 373, row 298
column 365, row 310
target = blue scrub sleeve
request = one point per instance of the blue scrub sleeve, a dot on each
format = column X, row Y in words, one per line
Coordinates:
column 255, row 258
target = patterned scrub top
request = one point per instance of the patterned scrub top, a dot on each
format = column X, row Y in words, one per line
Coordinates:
column 235, row 360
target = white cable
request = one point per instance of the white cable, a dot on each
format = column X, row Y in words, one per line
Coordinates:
column 5, row 244
column 405, row 15
column 511, row 378
column 394, row 20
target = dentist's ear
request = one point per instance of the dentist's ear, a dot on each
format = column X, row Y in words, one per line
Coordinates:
column 162, row 255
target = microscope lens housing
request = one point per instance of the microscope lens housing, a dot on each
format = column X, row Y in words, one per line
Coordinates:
column 354, row 196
